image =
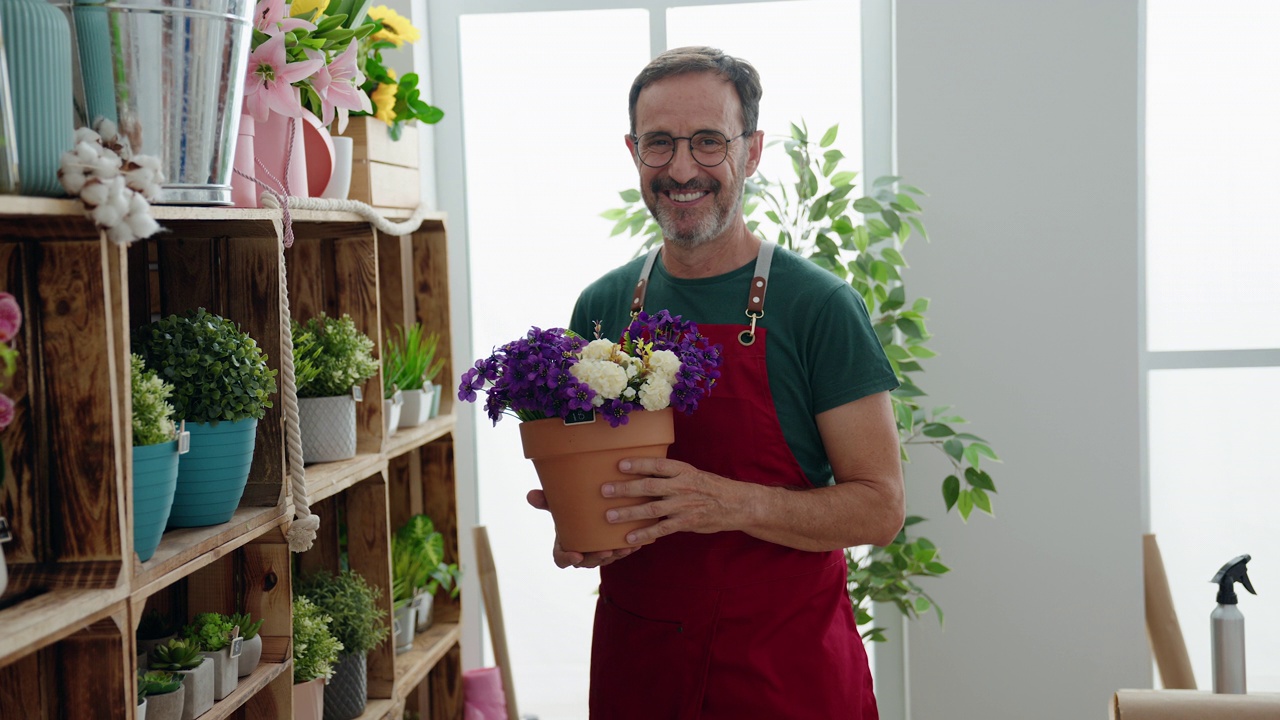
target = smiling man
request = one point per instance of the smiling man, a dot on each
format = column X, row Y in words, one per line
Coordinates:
column 733, row 605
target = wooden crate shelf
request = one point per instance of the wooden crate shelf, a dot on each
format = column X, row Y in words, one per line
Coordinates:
column 78, row 592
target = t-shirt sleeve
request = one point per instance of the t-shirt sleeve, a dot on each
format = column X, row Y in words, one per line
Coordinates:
column 848, row 361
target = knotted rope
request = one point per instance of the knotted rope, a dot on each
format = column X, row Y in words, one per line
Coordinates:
column 302, row 531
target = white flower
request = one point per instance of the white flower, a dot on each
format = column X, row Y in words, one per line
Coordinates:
column 655, row 394
column 606, row 378
column 664, row 364
column 598, row 350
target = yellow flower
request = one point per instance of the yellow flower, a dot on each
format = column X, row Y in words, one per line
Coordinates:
column 394, row 27
column 302, row 7
column 385, row 100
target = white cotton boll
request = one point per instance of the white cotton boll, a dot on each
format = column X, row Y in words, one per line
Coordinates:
column 84, row 134
column 72, row 180
column 107, row 129
column 94, row 193
column 108, row 215
column 142, row 224
column 86, row 153
column 121, row 234
column 107, row 166
column 138, row 204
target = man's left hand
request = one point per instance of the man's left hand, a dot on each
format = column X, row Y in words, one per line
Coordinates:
column 690, row 500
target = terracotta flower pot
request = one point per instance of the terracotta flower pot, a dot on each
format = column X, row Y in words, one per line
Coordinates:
column 308, row 700
column 573, row 461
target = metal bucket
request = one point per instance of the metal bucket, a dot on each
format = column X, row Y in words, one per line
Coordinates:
column 170, row 74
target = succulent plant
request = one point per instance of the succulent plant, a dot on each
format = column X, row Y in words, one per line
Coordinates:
column 158, row 682
column 176, row 655
column 248, row 626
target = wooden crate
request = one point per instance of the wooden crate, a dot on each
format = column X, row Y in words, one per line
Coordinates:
column 384, row 172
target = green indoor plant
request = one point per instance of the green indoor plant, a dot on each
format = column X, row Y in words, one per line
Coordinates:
column 216, row 635
column 251, row 650
column 412, row 365
column 183, row 657
column 163, row 694
column 336, row 357
column 359, row 623
column 315, row 652
column 222, row 387
column 425, row 570
column 155, row 457
column 861, row 241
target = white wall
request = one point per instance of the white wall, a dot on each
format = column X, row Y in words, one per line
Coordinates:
column 1021, row 120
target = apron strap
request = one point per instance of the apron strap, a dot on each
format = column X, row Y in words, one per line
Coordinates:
column 637, row 301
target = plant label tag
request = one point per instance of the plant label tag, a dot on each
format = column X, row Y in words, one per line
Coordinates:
column 237, row 644
column 184, row 439
column 580, row 417
column 357, row 393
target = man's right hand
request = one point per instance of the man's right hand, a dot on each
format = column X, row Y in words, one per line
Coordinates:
column 566, row 558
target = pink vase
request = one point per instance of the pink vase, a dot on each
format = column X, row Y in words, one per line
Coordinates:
column 320, row 154
column 244, row 191
column 308, row 700
column 271, row 147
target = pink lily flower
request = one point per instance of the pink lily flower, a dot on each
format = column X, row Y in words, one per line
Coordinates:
column 338, row 85
column 269, row 18
column 10, row 317
column 269, row 82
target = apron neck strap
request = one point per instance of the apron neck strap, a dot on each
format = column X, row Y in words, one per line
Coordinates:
column 755, row 298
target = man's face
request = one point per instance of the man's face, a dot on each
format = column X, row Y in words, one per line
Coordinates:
column 694, row 204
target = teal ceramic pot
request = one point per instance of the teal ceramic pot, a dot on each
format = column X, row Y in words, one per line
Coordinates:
column 155, row 478
column 213, row 475
column 37, row 43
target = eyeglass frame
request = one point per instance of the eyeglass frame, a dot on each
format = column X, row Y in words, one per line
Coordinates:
column 635, row 141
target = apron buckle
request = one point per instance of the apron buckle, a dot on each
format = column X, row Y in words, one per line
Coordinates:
column 748, row 337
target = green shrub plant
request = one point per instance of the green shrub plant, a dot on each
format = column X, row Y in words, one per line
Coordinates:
column 152, row 413
column 341, row 359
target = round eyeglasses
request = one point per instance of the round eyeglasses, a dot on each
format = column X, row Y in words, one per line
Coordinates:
column 708, row 147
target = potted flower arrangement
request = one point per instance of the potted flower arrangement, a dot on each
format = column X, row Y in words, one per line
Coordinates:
column 10, row 323
column 411, row 365
column 359, row 624
column 420, row 537
column 336, row 357
column 315, row 651
column 222, row 387
column 155, row 457
column 183, row 658
column 251, row 648
column 215, row 634
column 559, row 385
column 160, row 695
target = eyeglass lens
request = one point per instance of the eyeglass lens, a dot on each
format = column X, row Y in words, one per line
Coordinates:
column 709, row 148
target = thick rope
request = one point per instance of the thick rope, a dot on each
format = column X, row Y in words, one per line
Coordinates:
column 364, row 210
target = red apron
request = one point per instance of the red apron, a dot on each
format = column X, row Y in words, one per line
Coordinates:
column 725, row 625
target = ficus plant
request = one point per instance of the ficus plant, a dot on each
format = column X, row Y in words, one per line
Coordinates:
column 861, row 239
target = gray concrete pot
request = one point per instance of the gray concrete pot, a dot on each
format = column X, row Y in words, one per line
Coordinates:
column 250, row 656
column 198, row 690
column 167, row 706
column 404, row 622
column 347, row 693
column 226, row 672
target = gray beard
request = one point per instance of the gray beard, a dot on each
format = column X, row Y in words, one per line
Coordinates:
column 709, row 227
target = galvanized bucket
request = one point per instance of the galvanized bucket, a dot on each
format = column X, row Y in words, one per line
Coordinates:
column 170, row 74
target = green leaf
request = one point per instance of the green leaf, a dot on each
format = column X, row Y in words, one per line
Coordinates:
column 798, row 134
column 937, row 568
column 867, row 205
column 906, row 202
column 773, row 216
column 861, row 239
column 836, row 210
column 843, row 178
column 937, row 430
column 922, row 352
column 614, row 214
column 909, row 328
column 922, row 605
column 951, row 491
column 827, row 246
column 954, row 448
column 894, row 257
column 829, row 137
column 919, row 226
column 914, row 190
column 965, row 504
column 979, row 479
column 892, row 220
column 902, row 414
column 984, row 449
column 981, row 501
column 885, row 181
column 620, row 227
column 897, row 297
column 630, row 196
column 912, row 520
column 878, row 228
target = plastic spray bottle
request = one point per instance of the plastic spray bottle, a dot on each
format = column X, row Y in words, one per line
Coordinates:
column 1227, row 624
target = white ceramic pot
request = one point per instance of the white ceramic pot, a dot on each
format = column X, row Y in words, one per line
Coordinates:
column 4, row 570
column 426, row 603
column 142, row 709
column 340, row 183
column 417, row 406
column 391, row 408
column 328, row 427
column 437, row 393
column 403, row 626
column 197, row 684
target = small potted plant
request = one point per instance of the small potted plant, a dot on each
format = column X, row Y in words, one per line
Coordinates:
column 420, row 537
column 315, row 652
column 392, row 403
column 222, row 387
column 409, row 573
column 251, row 648
column 154, row 629
column 216, row 636
column 411, row 363
column 336, row 357
column 155, row 457
column 359, row 623
column 162, row 693
column 184, row 658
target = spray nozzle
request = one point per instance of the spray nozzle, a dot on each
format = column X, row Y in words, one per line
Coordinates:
column 1235, row 571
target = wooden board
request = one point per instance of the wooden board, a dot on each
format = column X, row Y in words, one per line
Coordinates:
column 372, row 141
column 369, row 549
column 431, row 294
column 385, row 185
column 446, row 686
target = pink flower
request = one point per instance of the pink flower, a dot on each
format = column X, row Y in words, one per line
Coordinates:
column 269, row 18
column 10, row 317
column 269, row 82
column 338, row 85
column 6, row 411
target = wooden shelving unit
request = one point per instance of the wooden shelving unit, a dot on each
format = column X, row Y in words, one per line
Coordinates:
column 77, row 591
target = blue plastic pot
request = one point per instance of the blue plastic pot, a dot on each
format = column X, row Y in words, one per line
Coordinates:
column 155, row 478
column 213, row 475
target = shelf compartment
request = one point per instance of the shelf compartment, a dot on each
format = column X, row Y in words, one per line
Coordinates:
column 423, row 481
column 249, row 688
column 327, row 479
column 429, row 648
column 186, row 550
column 412, row 438
column 40, row 621
column 67, row 449
column 84, row 675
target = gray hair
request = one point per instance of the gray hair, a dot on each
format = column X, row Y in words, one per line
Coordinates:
column 680, row 61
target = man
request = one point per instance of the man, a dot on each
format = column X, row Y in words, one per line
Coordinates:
column 733, row 605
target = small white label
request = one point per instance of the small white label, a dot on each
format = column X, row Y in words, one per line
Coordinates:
column 357, row 393
column 184, row 439
column 237, row 644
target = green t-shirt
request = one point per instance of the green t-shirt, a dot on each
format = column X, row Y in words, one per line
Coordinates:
column 821, row 352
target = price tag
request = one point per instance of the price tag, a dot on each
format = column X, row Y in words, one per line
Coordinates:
column 357, row 393
column 184, row 439
column 5, row 535
column 237, row 644
column 580, row 417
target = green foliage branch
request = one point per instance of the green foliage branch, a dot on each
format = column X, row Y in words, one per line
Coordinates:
column 337, row 356
column 411, row 358
column 152, row 413
column 248, row 626
column 315, row 649
column 358, row 622
column 418, row 539
column 861, row 240
column 217, row 371
column 210, row 631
